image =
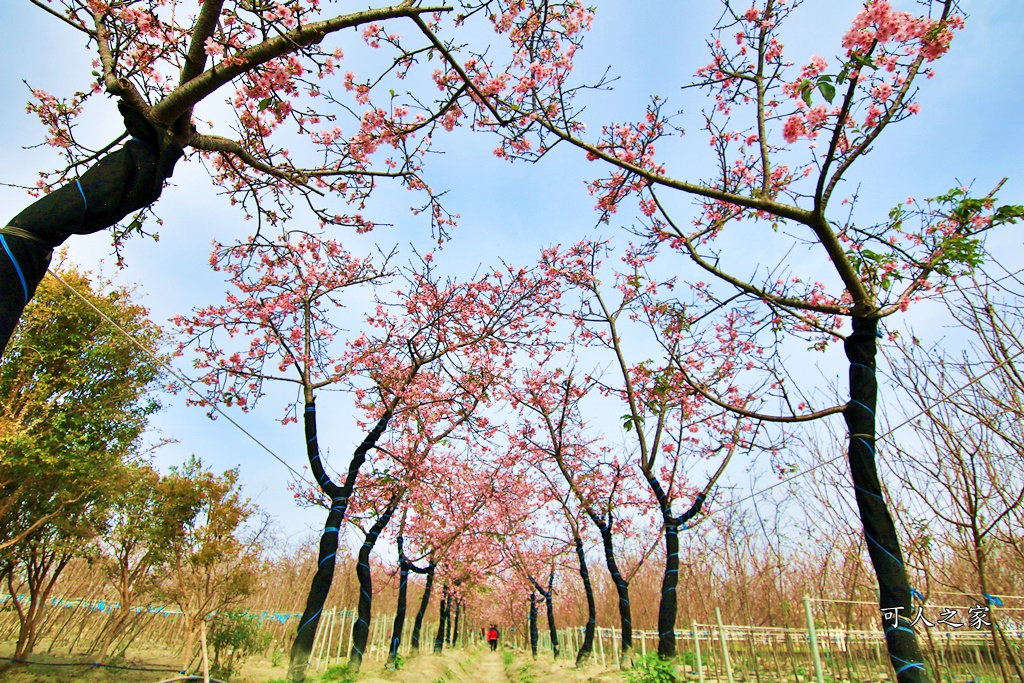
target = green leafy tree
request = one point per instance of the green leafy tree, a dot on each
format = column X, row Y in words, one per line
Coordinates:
column 73, row 405
column 130, row 550
column 213, row 553
column 234, row 636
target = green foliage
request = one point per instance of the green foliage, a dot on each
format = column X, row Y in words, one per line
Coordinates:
column 214, row 557
column 234, row 636
column 690, row 658
column 339, row 673
column 74, row 404
column 399, row 660
column 524, row 675
column 651, row 668
column 507, row 657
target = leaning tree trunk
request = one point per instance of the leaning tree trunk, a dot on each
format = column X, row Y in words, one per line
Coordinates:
column 455, row 624
column 361, row 629
column 424, row 603
column 549, row 603
column 534, row 632
column 588, row 632
column 396, row 626
column 123, row 181
column 442, row 618
column 621, row 588
column 879, row 530
column 321, row 584
column 448, row 621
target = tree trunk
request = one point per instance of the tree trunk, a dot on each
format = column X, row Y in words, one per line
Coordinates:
column 442, row 617
column 669, row 605
column 622, row 589
column 123, row 181
column 879, row 530
column 361, row 629
column 321, row 584
column 549, row 603
column 424, row 603
column 588, row 633
column 399, row 622
column 534, row 634
column 448, row 621
column 455, row 625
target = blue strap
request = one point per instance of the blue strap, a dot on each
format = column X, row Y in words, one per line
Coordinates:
column 17, row 268
column 906, row 664
column 82, row 192
column 870, row 447
column 311, row 619
column 144, row 144
column 876, row 495
column 879, row 546
column 899, row 628
column 862, row 406
column 331, row 529
column 325, row 559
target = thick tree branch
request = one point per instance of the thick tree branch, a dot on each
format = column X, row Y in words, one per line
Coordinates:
column 206, row 22
column 185, row 96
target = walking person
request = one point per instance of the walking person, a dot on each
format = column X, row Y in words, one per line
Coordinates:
column 492, row 637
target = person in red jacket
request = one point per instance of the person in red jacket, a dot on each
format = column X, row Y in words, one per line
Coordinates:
column 492, row 637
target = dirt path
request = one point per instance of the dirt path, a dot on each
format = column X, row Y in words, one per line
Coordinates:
column 491, row 669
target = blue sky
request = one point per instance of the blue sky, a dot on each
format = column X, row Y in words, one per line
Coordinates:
column 970, row 130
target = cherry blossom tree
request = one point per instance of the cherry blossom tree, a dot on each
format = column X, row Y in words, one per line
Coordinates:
column 435, row 343
column 551, row 431
column 282, row 69
column 786, row 139
column 670, row 424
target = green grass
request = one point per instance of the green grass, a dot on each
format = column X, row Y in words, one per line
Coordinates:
column 339, row 673
column 651, row 668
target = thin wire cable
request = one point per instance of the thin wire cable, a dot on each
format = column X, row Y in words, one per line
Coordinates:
column 878, row 438
column 186, row 382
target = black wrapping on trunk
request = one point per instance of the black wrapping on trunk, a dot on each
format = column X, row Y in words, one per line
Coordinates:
column 441, row 618
column 320, row 586
column 123, row 181
column 668, row 607
column 621, row 585
column 424, row 602
column 403, row 580
column 534, row 632
column 879, row 530
column 361, row 629
column 588, row 632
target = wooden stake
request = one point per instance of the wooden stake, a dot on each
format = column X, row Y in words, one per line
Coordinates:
column 206, row 659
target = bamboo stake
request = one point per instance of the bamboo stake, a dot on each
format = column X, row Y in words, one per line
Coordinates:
column 696, row 644
column 206, row 659
column 814, row 640
column 725, row 649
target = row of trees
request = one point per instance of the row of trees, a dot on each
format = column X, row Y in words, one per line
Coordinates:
column 701, row 376
column 564, row 511
column 75, row 482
